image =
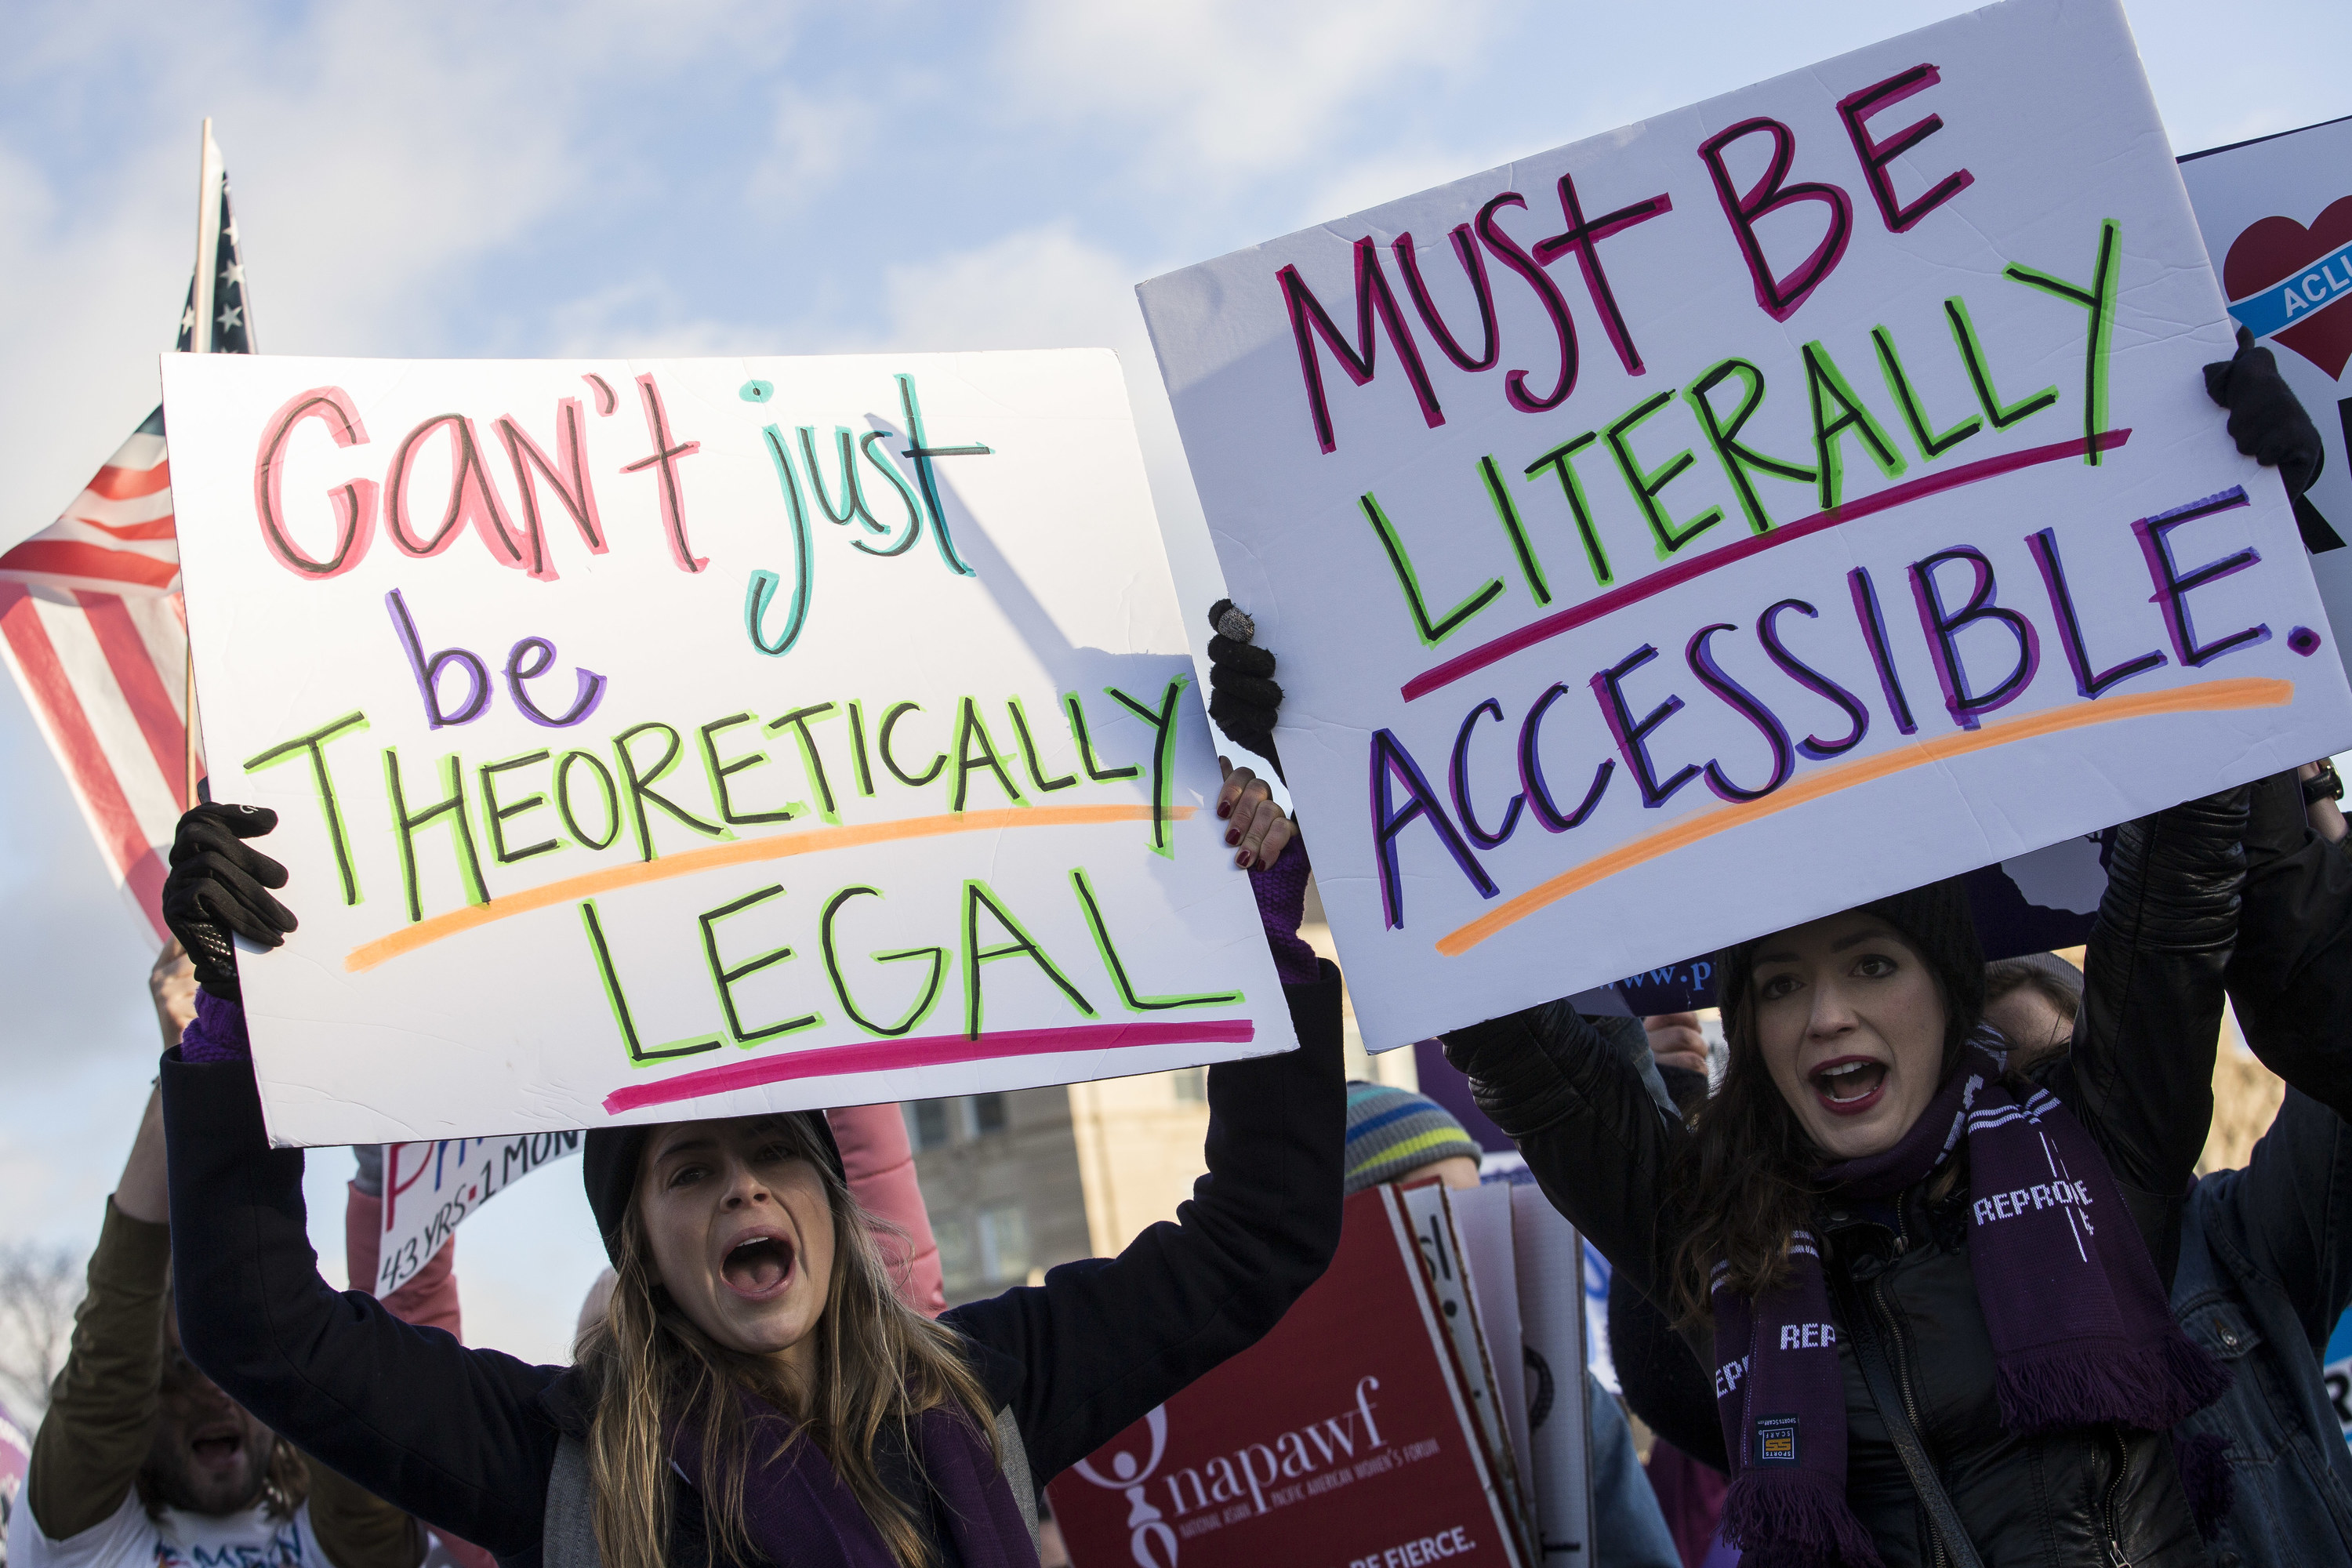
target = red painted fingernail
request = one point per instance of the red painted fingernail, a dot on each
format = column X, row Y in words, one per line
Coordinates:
column 1233, row 836
column 1224, row 808
column 1243, row 860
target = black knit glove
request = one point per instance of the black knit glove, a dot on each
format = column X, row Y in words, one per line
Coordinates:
column 1242, row 696
column 2266, row 419
column 218, row 888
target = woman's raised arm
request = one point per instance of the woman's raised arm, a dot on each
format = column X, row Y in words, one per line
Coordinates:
column 2140, row 1076
column 463, row 1439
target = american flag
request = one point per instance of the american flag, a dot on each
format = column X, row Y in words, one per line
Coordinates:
column 92, row 622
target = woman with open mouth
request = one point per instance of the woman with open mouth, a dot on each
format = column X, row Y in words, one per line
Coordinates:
column 1934, row 1290
column 756, row 1391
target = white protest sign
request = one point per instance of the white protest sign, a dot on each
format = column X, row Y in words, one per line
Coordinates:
column 429, row 1189
column 2277, row 217
column 1717, row 523
column 691, row 738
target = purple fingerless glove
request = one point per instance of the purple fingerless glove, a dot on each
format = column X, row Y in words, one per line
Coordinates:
column 1281, row 890
column 218, row 1033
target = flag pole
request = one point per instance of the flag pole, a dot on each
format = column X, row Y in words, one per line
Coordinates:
column 199, row 340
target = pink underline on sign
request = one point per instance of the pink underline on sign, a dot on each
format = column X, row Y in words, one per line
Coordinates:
column 1658, row 582
column 928, row 1051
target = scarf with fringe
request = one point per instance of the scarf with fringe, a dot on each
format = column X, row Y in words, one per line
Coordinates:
column 2082, row 1333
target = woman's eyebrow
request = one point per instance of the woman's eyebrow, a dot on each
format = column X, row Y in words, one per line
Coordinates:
column 1774, row 958
column 1875, row 934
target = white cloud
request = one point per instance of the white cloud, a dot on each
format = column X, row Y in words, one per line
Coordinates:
column 1231, row 86
column 377, row 155
column 812, row 142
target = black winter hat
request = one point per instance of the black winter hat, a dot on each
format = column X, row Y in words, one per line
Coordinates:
column 1936, row 920
column 609, row 1158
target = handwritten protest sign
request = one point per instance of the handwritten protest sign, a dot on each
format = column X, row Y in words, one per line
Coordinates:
column 2277, row 217
column 429, row 1189
column 698, row 737
column 1712, row 525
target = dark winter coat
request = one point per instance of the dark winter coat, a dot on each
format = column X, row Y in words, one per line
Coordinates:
column 467, row 1440
column 2140, row 1082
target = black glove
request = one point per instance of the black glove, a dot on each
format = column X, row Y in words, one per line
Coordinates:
column 1242, row 696
column 2266, row 420
column 218, row 887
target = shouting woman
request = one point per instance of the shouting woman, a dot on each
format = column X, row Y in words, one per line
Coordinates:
column 756, row 1392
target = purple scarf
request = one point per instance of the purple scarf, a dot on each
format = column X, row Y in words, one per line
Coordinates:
column 802, row 1514
column 2080, row 1331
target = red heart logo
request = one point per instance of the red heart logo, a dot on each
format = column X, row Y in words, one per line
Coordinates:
column 2273, row 248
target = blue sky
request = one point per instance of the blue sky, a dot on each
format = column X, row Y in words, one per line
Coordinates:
column 705, row 176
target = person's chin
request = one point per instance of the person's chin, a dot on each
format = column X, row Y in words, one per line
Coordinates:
column 213, row 1491
column 762, row 1328
column 1858, row 1138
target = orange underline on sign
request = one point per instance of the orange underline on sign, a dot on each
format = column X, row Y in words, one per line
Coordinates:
column 2208, row 697
column 367, row 955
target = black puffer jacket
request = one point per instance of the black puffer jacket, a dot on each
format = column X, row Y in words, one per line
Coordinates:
column 2139, row 1081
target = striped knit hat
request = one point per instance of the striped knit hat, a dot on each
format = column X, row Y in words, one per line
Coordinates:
column 1392, row 1130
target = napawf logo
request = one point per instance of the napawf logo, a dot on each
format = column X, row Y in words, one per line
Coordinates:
column 1776, row 1440
column 1150, row 1543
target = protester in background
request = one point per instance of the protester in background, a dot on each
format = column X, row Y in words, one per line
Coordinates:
column 1396, row 1135
column 2290, row 977
column 755, row 1383
column 141, row 1461
column 2265, row 1272
column 2032, row 1000
column 878, row 1161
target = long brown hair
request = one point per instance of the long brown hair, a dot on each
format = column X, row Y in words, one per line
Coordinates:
column 1743, row 1183
column 880, row 1366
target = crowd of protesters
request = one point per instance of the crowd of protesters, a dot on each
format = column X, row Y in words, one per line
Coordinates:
column 1924, row 1274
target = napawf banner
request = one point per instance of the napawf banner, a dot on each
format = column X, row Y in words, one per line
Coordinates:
column 2277, row 218
column 700, row 737
column 1348, row 1436
column 1721, row 522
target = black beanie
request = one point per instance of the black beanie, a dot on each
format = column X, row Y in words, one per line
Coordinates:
column 609, row 1158
column 1934, row 920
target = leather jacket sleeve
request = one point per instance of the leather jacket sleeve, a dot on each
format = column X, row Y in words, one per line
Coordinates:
column 1587, row 1127
column 2141, row 1078
column 2290, row 977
